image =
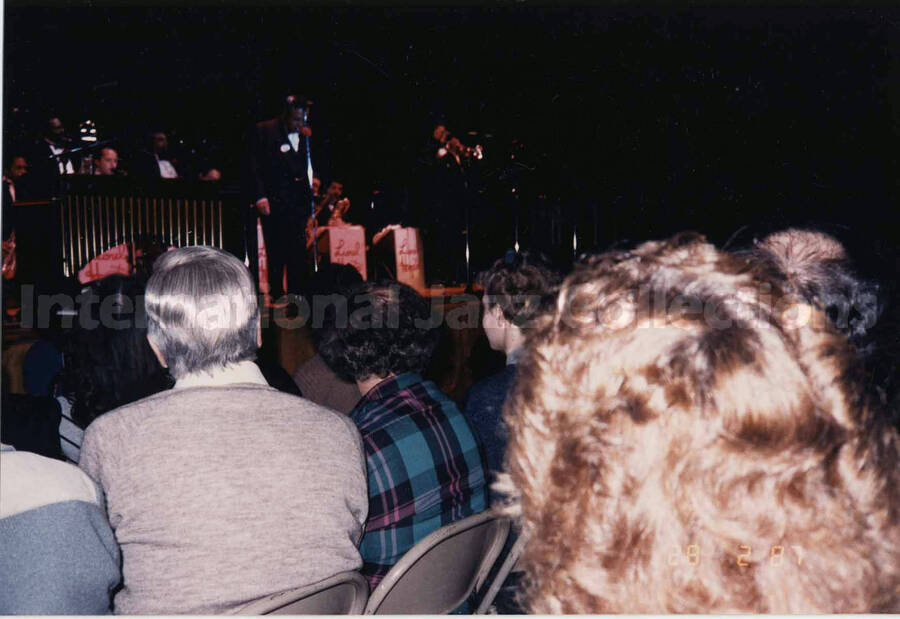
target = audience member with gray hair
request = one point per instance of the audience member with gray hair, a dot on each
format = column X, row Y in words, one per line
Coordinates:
column 202, row 311
column 222, row 490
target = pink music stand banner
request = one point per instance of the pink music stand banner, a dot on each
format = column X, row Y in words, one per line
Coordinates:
column 114, row 261
column 347, row 245
column 410, row 260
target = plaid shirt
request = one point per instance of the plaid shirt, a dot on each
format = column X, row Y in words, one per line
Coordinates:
column 424, row 466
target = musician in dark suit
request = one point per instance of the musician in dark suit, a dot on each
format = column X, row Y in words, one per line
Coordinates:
column 49, row 159
column 280, row 189
column 13, row 175
column 154, row 163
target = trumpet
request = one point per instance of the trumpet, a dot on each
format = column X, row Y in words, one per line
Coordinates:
column 459, row 150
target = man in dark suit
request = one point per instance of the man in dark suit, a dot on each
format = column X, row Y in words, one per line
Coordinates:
column 13, row 175
column 49, row 159
column 154, row 163
column 280, row 189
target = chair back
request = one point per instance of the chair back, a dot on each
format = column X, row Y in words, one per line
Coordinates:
column 342, row 594
column 443, row 569
column 509, row 565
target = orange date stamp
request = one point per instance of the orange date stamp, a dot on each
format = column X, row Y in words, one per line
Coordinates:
column 744, row 555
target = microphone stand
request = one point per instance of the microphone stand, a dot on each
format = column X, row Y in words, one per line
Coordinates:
column 468, row 237
column 518, row 215
column 312, row 199
column 468, row 199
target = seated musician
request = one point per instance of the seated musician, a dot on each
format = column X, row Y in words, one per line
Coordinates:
column 106, row 162
column 330, row 211
column 337, row 215
column 13, row 172
column 333, row 195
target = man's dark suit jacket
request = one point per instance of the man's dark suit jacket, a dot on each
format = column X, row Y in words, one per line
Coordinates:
column 8, row 214
column 43, row 171
column 144, row 167
column 277, row 172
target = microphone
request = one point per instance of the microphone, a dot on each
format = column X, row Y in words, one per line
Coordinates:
column 305, row 130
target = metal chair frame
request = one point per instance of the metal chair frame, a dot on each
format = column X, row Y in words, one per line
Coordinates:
column 494, row 542
column 308, row 600
column 509, row 565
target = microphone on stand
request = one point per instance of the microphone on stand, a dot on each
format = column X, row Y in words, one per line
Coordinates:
column 305, row 131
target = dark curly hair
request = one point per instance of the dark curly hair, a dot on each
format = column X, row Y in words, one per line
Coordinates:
column 328, row 281
column 520, row 283
column 817, row 267
column 386, row 329
column 111, row 364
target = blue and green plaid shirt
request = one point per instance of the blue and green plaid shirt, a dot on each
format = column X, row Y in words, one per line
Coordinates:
column 424, row 466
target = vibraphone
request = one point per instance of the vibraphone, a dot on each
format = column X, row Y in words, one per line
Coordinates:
column 59, row 237
column 92, row 224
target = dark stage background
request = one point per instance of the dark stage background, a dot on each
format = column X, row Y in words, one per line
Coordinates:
column 627, row 124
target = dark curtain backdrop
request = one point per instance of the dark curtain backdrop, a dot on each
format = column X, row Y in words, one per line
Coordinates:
column 624, row 124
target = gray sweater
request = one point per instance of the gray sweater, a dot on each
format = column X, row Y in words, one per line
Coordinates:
column 222, row 495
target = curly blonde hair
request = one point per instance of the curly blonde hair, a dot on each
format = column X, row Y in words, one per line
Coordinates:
column 687, row 436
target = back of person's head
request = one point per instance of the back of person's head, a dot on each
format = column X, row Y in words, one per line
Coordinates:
column 108, row 363
column 519, row 283
column 386, row 329
column 333, row 278
column 686, row 436
column 329, row 286
column 202, row 310
column 817, row 267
